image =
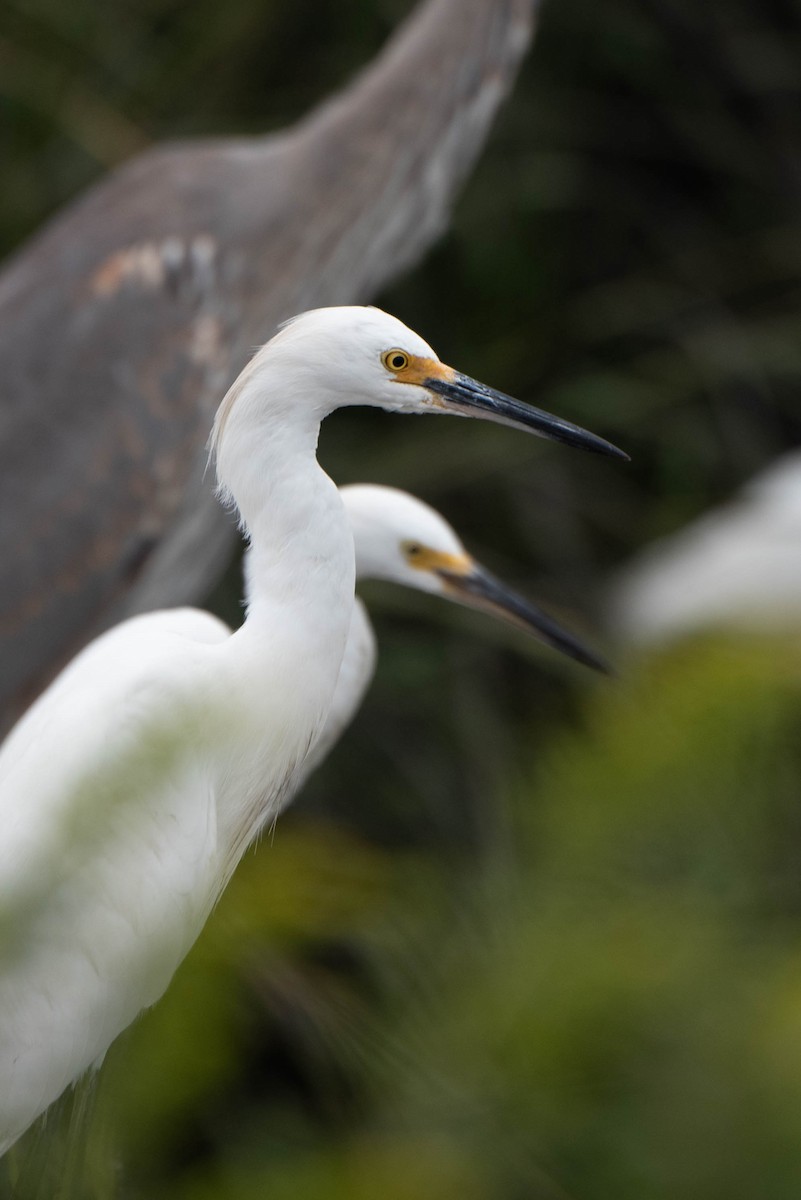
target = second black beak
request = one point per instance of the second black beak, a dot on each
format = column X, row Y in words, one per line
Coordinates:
column 478, row 589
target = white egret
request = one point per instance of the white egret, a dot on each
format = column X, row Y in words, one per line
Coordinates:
column 130, row 789
column 400, row 539
column 737, row 566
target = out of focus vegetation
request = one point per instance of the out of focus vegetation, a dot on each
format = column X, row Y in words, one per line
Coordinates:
column 528, row 934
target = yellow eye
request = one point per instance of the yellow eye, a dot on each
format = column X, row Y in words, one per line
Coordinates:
column 395, row 360
column 412, row 550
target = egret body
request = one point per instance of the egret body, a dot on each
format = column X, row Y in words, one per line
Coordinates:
column 130, row 789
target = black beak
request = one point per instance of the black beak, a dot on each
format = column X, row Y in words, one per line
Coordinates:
column 466, row 395
column 478, row 589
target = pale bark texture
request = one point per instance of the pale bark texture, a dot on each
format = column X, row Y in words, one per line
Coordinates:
column 122, row 321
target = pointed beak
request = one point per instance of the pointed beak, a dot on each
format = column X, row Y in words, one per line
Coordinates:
column 478, row 589
column 460, row 393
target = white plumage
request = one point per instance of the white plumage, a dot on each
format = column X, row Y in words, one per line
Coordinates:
column 737, row 566
column 130, row 789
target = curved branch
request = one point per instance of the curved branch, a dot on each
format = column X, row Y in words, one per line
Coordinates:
column 123, row 320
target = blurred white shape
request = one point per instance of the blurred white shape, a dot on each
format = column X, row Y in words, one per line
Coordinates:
column 737, row 566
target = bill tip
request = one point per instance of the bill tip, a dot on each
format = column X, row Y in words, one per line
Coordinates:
column 613, row 451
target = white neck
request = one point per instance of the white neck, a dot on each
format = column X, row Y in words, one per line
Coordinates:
column 286, row 656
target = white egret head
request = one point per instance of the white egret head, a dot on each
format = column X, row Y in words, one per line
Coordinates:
column 401, row 539
column 332, row 358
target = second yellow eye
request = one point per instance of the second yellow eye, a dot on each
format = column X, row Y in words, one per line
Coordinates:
column 395, row 360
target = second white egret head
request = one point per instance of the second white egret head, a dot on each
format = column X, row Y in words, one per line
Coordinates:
column 400, row 539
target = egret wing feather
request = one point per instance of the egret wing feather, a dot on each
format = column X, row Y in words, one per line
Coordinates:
column 87, row 941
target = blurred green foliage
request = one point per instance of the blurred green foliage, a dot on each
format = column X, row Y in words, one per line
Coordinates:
column 528, row 934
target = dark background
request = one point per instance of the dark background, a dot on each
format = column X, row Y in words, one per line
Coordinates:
column 528, row 933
